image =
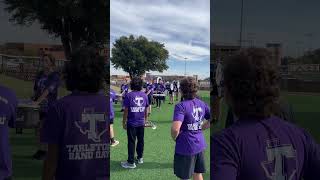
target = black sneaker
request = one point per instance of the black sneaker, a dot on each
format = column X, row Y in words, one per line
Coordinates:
column 40, row 155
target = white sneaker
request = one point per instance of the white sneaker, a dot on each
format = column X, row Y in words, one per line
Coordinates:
column 154, row 126
column 139, row 161
column 115, row 143
column 127, row 165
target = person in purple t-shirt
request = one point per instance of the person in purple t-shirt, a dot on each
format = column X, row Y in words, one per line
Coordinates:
column 45, row 94
column 149, row 92
column 124, row 89
column 77, row 129
column 260, row 145
column 113, row 97
column 159, row 89
column 190, row 118
column 134, row 119
column 8, row 105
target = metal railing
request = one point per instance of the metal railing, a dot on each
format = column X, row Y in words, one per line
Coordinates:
column 24, row 67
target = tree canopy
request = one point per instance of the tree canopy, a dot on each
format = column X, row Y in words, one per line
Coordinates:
column 139, row 55
column 76, row 22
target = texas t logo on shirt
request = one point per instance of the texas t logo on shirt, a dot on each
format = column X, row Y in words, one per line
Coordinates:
column 139, row 101
column 197, row 114
column 88, row 124
column 277, row 155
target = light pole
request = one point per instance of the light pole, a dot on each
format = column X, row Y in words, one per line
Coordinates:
column 241, row 22
column 185, row 66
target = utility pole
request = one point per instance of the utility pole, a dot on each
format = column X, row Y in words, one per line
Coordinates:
column 241, row 22
column 185, row 66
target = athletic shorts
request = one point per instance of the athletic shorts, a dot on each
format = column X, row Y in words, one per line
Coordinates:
column 170, row 92
column 185, row 166
column 111, row 121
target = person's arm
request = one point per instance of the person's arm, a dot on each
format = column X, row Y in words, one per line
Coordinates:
column 125, row 118
column 224, row 158
column 205, row 125
column 53, row 83
column 50, row 163
column 175, row 129
column 149, row 92
column 178, row 118
column 146, row 112
column 42, row 97
column 207, row 116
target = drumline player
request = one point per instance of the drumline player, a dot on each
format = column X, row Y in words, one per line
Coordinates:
column 76, row 127
column 159, row 91
column 8, row 106
column 45, row 94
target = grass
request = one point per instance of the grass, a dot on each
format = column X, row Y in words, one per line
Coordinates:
column 159, row 146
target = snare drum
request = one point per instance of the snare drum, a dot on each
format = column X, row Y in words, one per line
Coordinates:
column 159, row 96
column 28, row 115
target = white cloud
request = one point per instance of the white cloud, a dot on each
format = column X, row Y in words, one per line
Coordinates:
column 183, row 26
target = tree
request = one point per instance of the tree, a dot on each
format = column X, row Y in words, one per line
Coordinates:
column 138, row 55
column 76, row 22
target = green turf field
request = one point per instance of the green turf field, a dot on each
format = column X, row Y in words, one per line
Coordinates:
column 159, row 146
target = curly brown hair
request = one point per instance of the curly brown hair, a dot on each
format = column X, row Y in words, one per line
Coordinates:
column 189, row 88
column 252, row 83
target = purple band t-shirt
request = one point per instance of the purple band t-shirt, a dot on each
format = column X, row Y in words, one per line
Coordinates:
column 49, row 82
column 191, row 113
column 137, row 103
column 8, row 105
column 78, row 124
column 264, row 149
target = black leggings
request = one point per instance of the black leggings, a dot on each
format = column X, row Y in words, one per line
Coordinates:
column 133, row 134
column 158, row 100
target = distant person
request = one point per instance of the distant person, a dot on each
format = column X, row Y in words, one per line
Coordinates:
column 167, row 86
column 8, row 105
column 46, row 87
column 76, row 129
column 149, row 92
column 160, row 88
column 190, row 119
column 175, row 90
column 124, row 89
column 113, row 97
column 134, row 119
column 260, row 145
column 171, row 93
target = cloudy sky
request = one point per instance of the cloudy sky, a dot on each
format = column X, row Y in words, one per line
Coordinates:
column 286, row 21
column 183, row 26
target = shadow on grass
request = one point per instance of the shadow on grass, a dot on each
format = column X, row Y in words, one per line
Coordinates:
column 116, row 166
column 26, row 168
